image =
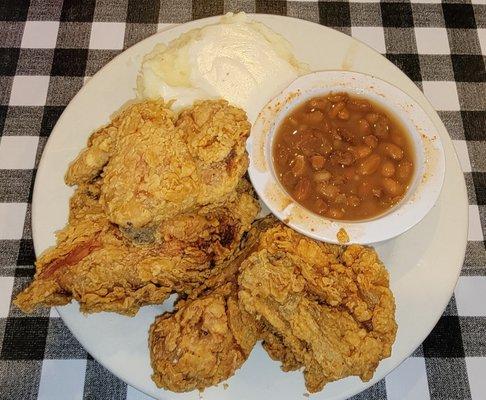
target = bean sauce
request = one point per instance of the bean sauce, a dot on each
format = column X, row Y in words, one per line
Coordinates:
column 343, row 157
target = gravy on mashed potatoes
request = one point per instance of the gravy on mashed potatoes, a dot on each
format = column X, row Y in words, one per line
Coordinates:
column 237, row 59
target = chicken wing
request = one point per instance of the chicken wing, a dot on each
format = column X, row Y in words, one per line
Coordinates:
column 324, row 307
column 95, row 263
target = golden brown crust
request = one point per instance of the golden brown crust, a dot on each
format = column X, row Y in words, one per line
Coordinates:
column 121, row 275
column 202, row 343
column 324, row 307
column 190, row 348
column 276, row 349
column 158, row 209
column 156, row 166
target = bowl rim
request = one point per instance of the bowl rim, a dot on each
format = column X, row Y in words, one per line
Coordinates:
column 421, row 195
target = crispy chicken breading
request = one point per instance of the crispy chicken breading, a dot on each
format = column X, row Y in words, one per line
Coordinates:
column 203, row 342
column 324, row 307
column 156, row 166
column 95, row 264
column 208, row 336
column 161, row 206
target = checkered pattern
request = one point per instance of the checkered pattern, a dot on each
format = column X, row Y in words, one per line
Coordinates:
column 49, row 48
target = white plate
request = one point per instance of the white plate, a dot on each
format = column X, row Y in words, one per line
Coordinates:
column 424, row 263
column 429, row 158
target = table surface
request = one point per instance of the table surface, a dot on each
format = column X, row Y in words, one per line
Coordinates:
column 49, row 48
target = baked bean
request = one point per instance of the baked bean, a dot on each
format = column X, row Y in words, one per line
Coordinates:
column 340, row 199
column 392, row 187
column 317, row 162
column 298, row 166
column 362, row 151
column 343, row 114
column 398, row 139
column 338, row 144
column 364, row 126
column 302, row 189
column 336, row 213
column 354, row 201
column 393, row 151
column 289, row 179
column 346, row 158
column 313, row 117
column 336, row 108
column 328, row 190
column 322, row 176
column 337, row 97
column 387, row 169
column 369, row 165
column 404, row 171
column 371, row 140
column 359, row 105
column 381, row 127
column 377, row 192
column 320, row 103
column 320, row 206
column 372, row 117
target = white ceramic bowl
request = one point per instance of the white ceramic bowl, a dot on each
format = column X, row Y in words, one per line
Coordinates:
column 429, row 162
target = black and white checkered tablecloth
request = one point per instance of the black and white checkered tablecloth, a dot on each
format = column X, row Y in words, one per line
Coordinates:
column 49, row 48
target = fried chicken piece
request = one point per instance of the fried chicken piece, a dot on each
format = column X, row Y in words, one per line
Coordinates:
column 97, row 265
column 208, row 336
column 103, row 143
column 203, row 342
column 160, row 207
column 324, row 307
column 155, row 166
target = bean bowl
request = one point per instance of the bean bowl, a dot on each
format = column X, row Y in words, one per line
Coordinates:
column 423, row 190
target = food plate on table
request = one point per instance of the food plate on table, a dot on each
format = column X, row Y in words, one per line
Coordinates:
column 423, row 263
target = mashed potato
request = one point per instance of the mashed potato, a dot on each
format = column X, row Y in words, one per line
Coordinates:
column 239, row 60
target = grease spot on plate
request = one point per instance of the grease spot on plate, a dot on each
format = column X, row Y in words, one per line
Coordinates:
column 277, row 197
column 349, row 56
